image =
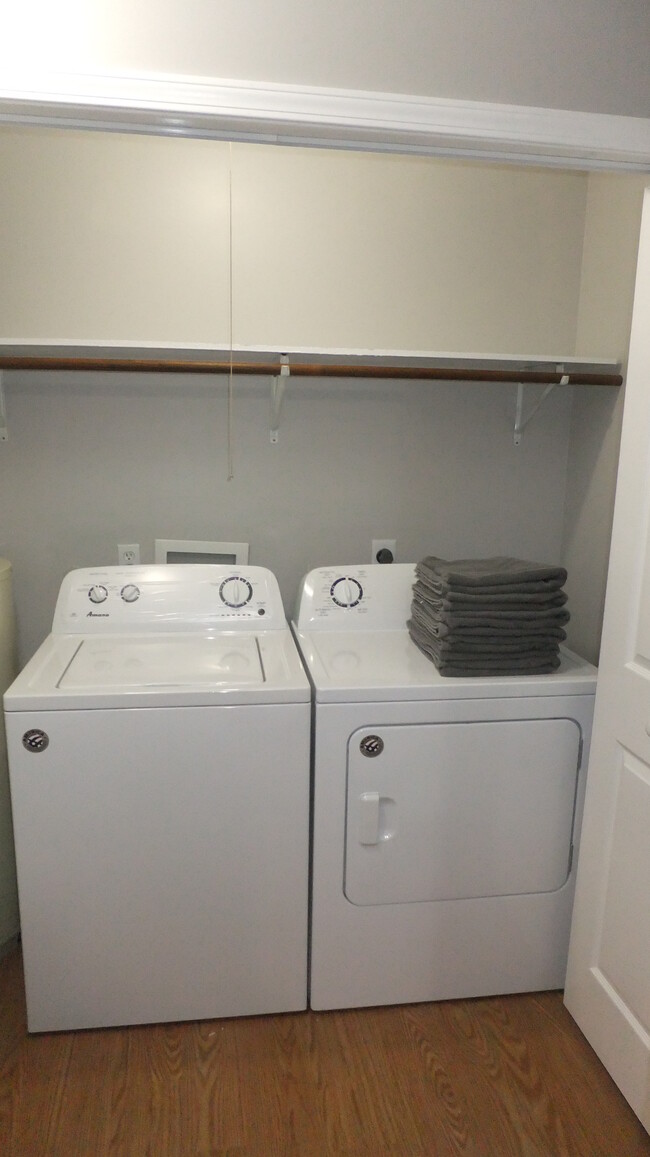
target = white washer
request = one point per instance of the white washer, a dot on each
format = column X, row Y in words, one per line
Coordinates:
column 446, row 811
column 159, row 766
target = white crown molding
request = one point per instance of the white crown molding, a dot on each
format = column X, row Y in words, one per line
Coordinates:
column 298, row 115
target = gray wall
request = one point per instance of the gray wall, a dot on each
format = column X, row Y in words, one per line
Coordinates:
column 589, row 55
column 612, row 224
column 93, row 461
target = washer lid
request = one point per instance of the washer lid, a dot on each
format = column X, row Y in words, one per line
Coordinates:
column 378, row 666
column 163, row 670
column 154, row 662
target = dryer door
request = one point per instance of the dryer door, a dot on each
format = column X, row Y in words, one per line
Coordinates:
column 447, row 811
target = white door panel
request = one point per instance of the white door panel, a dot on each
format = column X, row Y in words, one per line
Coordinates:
column 626, row 918
column 608, row 980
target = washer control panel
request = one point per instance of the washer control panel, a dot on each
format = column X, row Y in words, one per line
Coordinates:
column 99, row 594
column 355, row 598
column 168, row 598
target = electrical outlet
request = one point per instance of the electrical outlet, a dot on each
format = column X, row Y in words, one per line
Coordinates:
column 383, row 544
column 128, row 554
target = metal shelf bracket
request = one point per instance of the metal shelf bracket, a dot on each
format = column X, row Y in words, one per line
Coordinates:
column 4, row 433
column 278, row 386
column 520, row 421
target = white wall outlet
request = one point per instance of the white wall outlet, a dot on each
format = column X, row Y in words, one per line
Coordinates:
column 383, row 544
column 128, row 554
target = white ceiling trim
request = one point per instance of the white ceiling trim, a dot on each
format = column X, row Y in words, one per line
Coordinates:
column 292, row 114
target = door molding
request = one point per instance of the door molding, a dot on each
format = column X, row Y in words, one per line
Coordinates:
column 326, row 117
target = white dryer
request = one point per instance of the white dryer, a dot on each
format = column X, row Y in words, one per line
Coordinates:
column 446, row 812
column 159, row 767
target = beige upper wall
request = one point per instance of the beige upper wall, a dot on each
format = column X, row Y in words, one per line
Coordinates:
column 391, row 252
column 612, row 223
column 590, row 55
column 112, row 237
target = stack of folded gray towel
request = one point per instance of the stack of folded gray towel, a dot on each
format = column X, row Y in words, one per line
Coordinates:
column 489, row 616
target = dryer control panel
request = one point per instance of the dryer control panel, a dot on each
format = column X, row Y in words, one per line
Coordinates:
column 356, row 598
column 177, row 597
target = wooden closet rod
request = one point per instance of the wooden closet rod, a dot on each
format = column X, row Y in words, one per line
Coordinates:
column 307, row 370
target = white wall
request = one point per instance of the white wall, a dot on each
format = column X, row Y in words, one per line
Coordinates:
column 589, row 55
column 92, row 461
column 609, row 263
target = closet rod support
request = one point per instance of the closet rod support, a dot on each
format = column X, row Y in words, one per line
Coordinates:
column 4, row 433
column 278, row 386
column 520, row 421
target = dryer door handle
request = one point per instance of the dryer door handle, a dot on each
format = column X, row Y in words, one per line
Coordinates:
column 369, row 817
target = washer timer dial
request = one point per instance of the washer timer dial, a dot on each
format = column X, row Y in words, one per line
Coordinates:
column 235, row 592
column 346, row 592
column 97, row 594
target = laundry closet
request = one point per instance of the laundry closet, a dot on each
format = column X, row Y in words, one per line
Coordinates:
column 171, row 249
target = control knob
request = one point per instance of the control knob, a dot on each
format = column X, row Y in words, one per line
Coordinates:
column 130, row 593
column 235, row 592
column 97, row 594
column 346, row 592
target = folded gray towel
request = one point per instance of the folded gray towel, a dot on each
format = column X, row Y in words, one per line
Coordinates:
column 457, row 671
column 500, row 633
column 483, row 662
column 522, row 622
column 452, row 601
column 461, row 666
column 481, row 572
column 444, row 650
column 449, row 671
column 497, row 617
column 492, row 645
column 440, row 589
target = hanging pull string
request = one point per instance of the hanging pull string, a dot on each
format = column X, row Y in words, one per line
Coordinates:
column 231, row 471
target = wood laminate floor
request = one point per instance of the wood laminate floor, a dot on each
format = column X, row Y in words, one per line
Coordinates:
column 498, row 1077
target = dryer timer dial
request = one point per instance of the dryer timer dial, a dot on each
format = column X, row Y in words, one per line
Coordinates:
column 346, row 592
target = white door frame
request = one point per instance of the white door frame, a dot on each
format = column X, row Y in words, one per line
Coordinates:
column 324, row 117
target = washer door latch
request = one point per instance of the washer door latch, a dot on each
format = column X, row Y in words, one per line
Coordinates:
column 371, row 745
column 35, row 740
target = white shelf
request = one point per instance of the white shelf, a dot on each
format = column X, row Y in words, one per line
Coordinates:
column 151, row 357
